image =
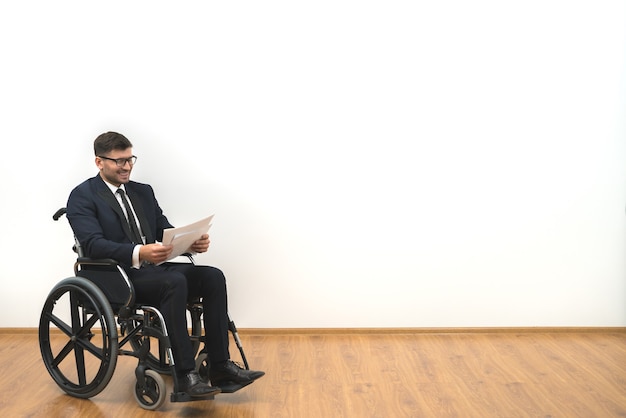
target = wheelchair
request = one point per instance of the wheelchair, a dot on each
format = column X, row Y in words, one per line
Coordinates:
column 83, row 310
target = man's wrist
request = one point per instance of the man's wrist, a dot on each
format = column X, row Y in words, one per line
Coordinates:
column 136, row 259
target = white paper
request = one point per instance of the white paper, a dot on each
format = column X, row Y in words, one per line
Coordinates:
column 182, row 238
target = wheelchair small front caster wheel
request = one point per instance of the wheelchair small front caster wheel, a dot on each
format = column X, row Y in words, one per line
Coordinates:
column 150, row 394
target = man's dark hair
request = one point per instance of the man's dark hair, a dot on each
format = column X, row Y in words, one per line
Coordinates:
column 109, row 141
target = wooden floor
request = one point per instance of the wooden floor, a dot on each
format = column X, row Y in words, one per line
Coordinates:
column 372, row 374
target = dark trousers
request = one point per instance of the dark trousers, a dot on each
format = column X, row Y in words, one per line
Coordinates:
column 169, row 287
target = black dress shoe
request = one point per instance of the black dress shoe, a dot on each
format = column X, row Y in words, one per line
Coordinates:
column 192, row 384
column 231, row 372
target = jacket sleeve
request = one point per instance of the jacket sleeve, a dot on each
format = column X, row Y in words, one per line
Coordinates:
column 89, row 219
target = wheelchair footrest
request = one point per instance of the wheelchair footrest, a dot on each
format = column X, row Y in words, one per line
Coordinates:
column 232, row 387
column 185, row 397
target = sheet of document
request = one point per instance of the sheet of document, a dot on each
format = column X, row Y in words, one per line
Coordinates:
column 182, row 238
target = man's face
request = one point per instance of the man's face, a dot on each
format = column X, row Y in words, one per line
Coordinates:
column 110, row 171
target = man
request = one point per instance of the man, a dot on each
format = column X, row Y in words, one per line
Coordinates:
column 114, row 217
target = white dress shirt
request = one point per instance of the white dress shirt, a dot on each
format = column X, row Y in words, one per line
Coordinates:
column 136, row 262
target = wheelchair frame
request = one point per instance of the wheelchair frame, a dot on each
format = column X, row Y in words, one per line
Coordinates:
column 95, row 341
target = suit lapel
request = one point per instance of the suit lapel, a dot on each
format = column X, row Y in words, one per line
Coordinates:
column 108, row 197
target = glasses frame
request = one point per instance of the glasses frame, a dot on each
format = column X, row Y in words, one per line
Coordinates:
column 121, row 162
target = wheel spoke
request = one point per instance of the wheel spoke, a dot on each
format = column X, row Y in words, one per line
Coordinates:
column 79, row 355
column 59, row 323
column 91, row 347
column 86, row 329
column 76, row 329
column 63, row 353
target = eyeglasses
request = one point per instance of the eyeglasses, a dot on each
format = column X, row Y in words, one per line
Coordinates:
column 121, row 162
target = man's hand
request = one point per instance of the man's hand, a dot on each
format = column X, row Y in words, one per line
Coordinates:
column 155, row 253
column 201, row 245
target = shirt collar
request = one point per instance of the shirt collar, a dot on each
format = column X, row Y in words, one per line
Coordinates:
column 114, row 188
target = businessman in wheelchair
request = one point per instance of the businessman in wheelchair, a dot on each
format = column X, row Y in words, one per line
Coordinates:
column 115, row 218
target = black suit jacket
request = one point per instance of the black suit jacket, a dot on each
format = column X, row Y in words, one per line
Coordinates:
column 100, row 225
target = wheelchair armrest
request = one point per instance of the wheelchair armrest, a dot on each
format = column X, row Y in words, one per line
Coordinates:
column 110, row 277
column 97, row 261
column 189, row 257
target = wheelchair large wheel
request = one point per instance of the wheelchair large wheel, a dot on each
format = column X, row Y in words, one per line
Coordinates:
column 80, row 347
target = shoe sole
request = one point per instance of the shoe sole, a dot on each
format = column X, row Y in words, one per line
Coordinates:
column 231, row 387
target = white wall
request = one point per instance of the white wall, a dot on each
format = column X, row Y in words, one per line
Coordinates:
column 370, row 163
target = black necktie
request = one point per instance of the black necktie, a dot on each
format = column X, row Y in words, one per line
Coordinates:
column 131, row 219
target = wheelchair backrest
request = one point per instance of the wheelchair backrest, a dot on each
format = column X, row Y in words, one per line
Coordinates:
column 107, row 274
